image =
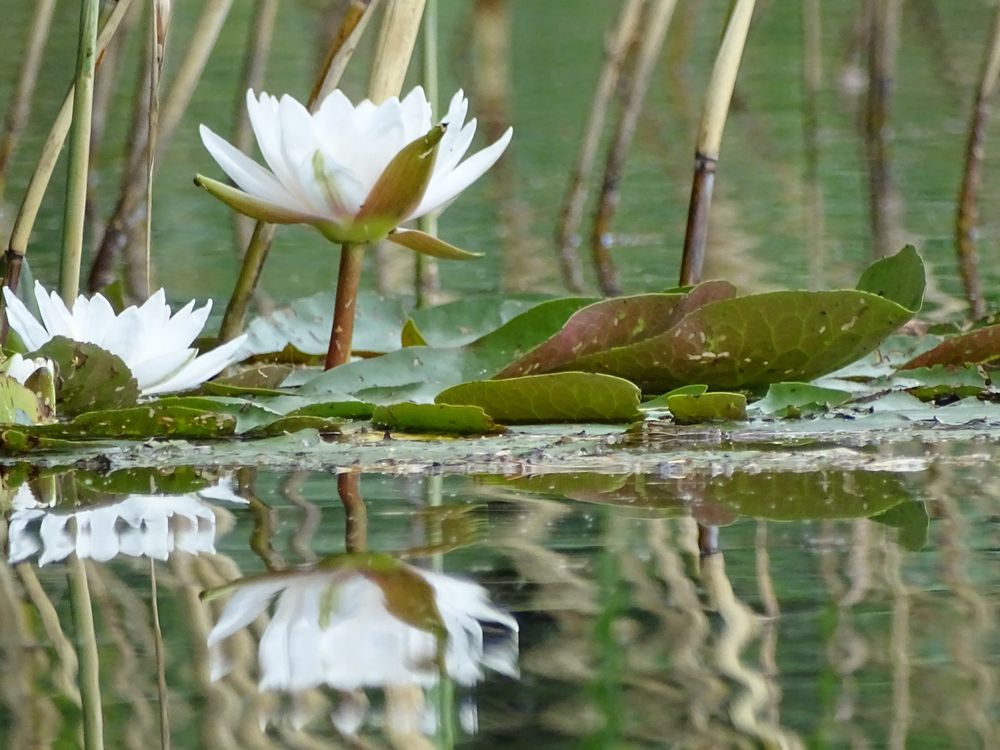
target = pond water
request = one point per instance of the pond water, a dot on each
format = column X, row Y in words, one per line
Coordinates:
column 643, row 596
column 754, row 608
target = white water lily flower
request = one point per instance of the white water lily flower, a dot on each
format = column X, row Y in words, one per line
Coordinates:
column 21, row 368
column 353, row 172
column 337, row 628
column 155, row 345
column 152, row 526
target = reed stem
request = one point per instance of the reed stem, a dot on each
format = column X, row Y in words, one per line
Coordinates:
column 427, row 282
column 161, row 659
column 342, row 48
column 79, row 153
column 567, row 232
column 883, row 41
column 352, row 260
column 86, row 637
column 24, row 222
column 968, row 213
column 656, row 22
column 812, row 76
column 19, row 109
column 713, row 121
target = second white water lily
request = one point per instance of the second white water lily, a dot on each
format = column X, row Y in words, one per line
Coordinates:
column 353, row 172
column 153, row 343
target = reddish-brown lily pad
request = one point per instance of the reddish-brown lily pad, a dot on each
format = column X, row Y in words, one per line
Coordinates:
column 973, row 348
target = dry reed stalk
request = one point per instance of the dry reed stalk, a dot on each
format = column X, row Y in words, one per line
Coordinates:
column 427, row 281
column 79, row 153
column 130, row 211
column 19, row 108
column 713, row 121
column 342, row 49
column 159, row 654
column 812, row 77
column 967, row 214
column 567, row 232
column 655, row 23
column 17, row 246
column 255, row 59
column 883, row 42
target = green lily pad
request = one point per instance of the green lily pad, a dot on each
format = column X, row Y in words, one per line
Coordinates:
column 912, row 521
column 745, row 342
column 419, row 373
column 18, row 405
column 943, row 382
column 463, row 321
column 556, row 397
column 88, row 378
column 441, row 418
column 707, row 407
column 295, row 423
column 144, row 480
column 792, row 399
column 660, row 402
column 138, row 423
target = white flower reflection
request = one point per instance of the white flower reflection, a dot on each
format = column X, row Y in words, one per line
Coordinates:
column 350, row 626
column 152, row 526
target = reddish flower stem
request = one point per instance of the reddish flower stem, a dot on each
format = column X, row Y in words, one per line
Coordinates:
column 351, row 261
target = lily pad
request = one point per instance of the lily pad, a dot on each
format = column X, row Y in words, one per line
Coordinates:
column 138, row 423
column 295, row 423
column 660, row 402
column 748, row 342
column 463, row 321
column 419, row 373
column 912, row 521
column 707, row 407
column 431, row 418
column 556, row 397
column 792, row 399
column 88, row 378
column 981, row 346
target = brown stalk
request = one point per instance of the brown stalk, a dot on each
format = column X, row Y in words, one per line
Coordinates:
column 883, row 42
column 713, row 121
column 19, row 108
column 655, row 24
column 352, row 258
column 567, row 232
column 355, row 512
column 343, row 46
column 975, row 146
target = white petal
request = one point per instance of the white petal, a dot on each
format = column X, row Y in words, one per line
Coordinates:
column 246, row 605
column 200, row 369
column 55, row 317
column 441, row 191
column 32, row 334
column 245, row 172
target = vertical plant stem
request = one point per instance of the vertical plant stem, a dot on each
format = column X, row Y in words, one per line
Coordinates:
column 812, row 76
column 352, row 259
column 883, row 41
column 161, row 660
column 19, row 108
column 252, row 78
column 79, row 152
column 713, row 121
column 159, row 23
column 86, row 636
column 355, row 512
column 968, row 214
column 352, row 26
column 656, row 22
column 567, row 232
column 343, row 46
column 122, row 227
column 24, row 222
column 427, row 281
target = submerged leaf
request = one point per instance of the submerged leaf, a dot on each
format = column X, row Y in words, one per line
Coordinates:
column 791, row 399
column 557, row 397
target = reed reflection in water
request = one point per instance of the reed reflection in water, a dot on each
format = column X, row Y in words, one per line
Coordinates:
column 840, row 631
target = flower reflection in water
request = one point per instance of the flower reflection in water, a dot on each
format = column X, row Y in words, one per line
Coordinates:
column 366, row 620
column 150, row 526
